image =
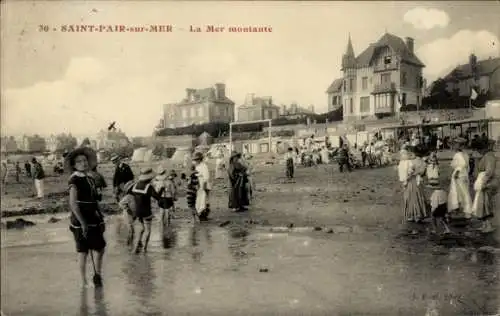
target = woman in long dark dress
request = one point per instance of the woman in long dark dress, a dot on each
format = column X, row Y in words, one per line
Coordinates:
column 238, row 178
column 87, row 222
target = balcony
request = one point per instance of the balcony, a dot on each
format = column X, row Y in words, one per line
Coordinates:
column 384, row 110
column 386, row 67
column 384, row 87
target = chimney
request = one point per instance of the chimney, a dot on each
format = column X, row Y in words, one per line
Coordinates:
column 220, row 91
column 189, row 94
column 410, row 43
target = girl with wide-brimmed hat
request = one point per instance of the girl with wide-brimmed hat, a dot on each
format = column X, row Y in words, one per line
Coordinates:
column 87, row 222
column 486, row 186
column 142, row 191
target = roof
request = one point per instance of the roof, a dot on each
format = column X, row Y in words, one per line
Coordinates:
column 395, row 43
column 336, row 86
column 484, row 68
column 207, row 94
column 260, row 101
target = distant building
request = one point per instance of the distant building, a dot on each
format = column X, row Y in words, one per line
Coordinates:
column 384, row 77
column 258, row 108
column 483, row 75
column 35, row 143
column 8, row 145
column 296, row 111
column 200, row 106
column 111, row 139
column 334, row 93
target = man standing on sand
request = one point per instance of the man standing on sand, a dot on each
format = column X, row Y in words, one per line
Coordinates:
column 27, row 168
column 123, row 174
column 38, row 177
column 18, row 171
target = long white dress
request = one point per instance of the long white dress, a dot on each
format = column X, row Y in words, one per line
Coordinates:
column 219, row 165
column 459, row 196
column 202, row 196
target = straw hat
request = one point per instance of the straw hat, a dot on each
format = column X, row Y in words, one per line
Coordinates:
column 459, row 140
column 146, row 174
column 161, row 173
column 115, row 158
column 69, row 160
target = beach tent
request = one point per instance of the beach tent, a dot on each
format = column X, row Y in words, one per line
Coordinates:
column 138, row 155
column 180, row 153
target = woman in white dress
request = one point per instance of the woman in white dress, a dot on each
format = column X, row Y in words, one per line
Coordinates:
column 219, row 164
column 459, row 197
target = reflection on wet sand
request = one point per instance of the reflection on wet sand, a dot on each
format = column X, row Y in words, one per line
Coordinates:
column 101, row 308
column 237, row 242
column 141, row 276
column 450, row 279
column 197, row 233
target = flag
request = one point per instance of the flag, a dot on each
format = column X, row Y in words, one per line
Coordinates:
column 473, row 94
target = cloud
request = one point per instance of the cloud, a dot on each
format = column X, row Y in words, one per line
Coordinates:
column 426, row 18
column 442, row 55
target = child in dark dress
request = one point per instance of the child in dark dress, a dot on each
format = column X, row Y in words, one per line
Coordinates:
column 439, row 208
column 87, row 222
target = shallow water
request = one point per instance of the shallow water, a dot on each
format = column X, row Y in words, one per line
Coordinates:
column 209, row 270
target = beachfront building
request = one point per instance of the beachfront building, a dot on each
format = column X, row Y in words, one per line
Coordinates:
column 257, row 108
column 111, row 139
column 384, row 77
column 8, row 144
column 334, row 93
column 482, row 75
column 200, row 106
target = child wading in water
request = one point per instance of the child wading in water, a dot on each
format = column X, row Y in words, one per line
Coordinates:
column 439, row 208
column 127, row 205
column 166, row 187
column 290, row 163
column 143, row 191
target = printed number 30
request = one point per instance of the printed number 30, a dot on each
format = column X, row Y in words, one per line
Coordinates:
column 43, row 28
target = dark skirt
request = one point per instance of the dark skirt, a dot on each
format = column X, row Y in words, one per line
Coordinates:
column 238, row 193
column 440, row 211
column 94, row 240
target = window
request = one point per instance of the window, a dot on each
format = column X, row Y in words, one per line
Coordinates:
column 264, row 148
column 403, row 78
column 344, row 85
column 384, row 78
column 387, row 60
column 334, row 100
column 364, row 83
column 185, row 113
column 364, row 104
column 351, row 106
column 351, row 85
column 200, row 111
column 403, row 99
column 193, row 112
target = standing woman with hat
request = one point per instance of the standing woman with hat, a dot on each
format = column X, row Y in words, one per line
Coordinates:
column 486, row 186
column 410, row 171
column 459, row 197
column 238, row 179
column 143, row 191
column 204, row 186
column 87, row 222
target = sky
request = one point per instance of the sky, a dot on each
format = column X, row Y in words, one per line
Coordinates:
column 54, row 82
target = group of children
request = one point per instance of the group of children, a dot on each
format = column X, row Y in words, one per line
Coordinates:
column 164, row 188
